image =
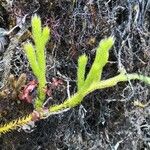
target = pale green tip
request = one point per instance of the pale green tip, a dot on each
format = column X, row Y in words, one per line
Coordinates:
column 36, row 20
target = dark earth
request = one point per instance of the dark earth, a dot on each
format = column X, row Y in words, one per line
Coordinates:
column 116, row 118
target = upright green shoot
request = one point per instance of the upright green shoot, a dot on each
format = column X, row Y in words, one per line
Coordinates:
column 82, row 61
column 101, row 58
column 36, row 56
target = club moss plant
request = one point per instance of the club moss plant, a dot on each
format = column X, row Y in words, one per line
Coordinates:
column 36, row 56
column 85, row 84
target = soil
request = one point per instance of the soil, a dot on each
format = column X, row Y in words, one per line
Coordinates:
column 107, row 119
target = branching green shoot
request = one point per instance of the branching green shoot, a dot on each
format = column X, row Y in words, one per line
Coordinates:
column 36, row 56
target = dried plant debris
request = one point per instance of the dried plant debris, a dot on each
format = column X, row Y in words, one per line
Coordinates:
column 13, row 87
column 108, row 119
column 17, row 85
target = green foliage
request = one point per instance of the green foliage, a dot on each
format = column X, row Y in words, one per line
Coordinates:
column 36, row 56
column 86, row 85
column 93, row 80
column 101, row 58
column 82, row 61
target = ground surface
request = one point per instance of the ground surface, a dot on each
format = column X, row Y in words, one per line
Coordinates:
column 107, row 119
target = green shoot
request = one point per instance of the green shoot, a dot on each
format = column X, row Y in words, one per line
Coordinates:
column 82, row 61
column 36, row 56
column 93, row 81
column 100, row 61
